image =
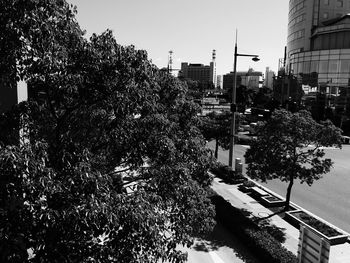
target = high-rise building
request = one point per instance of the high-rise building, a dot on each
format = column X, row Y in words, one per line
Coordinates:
column 318, row 49
column 268, row 79
column 204, row 74
column 250, row 79
column 219, row 80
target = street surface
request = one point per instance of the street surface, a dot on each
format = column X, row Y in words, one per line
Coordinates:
column 328, row 198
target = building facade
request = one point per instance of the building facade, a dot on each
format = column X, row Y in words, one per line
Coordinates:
column 250, row 79
column 268, row 78
column 204, row 74
column 318, row 50
column 219, row 81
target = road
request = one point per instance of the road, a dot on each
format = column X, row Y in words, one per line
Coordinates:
column 328, row 198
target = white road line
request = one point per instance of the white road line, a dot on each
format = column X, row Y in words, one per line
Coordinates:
column 215, row 257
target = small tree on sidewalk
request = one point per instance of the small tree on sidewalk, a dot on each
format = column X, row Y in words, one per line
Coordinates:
column 289, row 147
column 216, row 126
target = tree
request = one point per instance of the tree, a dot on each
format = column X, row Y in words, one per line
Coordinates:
column 114, row 168
column 216, row 126
column 288, row 147
column 262, row 98
column 195, row 89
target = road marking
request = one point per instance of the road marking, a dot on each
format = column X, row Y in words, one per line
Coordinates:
column 215, row 257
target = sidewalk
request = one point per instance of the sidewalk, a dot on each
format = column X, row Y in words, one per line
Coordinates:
column 244, row 201
column 339, row 253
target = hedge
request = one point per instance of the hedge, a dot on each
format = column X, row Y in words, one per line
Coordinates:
column 226, row 173
column 259, row 241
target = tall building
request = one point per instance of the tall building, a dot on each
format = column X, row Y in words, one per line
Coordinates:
column 318, row 50
column 219, row 80
column 204, row 74
column 251, row 79
column 268, row 79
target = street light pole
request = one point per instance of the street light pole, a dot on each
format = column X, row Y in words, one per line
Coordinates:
column 233, row 103
column 233, row 107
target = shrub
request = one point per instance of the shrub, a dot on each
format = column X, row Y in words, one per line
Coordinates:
column 318, row 225
column 259, row 241
column 223, row 171
column 268, row 248
column 248, row 184
column 226, row 173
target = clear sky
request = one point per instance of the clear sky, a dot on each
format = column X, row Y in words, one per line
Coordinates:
column 193, row 28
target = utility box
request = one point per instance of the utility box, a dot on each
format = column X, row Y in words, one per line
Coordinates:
column 238, row 166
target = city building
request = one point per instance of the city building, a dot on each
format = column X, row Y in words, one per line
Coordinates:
column 268, row 79
column 204, row 74
column 250, row 79
column 318, row 51
column 219, row 82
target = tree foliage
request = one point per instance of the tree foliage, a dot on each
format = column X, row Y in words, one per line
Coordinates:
column 289, row 147
column 216, row 126
column 113, row 167
column 196, row 89
column 262, row 97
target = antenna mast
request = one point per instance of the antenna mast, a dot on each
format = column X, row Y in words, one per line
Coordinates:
column 170, row 61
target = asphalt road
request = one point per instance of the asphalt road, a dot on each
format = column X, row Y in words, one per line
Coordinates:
column 328, row 198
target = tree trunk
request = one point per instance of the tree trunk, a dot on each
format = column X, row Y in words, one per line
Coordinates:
column 216, row 148
column 289, row 190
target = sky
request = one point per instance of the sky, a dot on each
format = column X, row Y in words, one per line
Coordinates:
column 193, row 28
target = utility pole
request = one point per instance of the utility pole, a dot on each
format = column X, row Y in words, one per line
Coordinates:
column 233, row 103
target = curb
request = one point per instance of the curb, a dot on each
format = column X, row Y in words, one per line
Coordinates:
column 298, row 207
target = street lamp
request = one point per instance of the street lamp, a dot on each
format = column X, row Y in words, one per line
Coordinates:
column 233, row 105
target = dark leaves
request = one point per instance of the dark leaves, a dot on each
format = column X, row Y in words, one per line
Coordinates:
column 114, row 168
column 288, row 145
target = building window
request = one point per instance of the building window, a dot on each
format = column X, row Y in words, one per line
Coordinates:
column 323, row 67
column 345, row 66
column 314, row 66
column 325, row 15
column 306, row 68
column 333, row 66
column 326, row 2
column 340, row 3
column 297, row 20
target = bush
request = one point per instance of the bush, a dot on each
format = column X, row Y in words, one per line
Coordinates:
column 317, row 224
column 223, row 171
column 268, row 248
column 249, row 184
column 226, row 173
column 259, row 241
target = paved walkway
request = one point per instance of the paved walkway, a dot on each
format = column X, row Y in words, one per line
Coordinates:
column 244, row 201
column 338, row 253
